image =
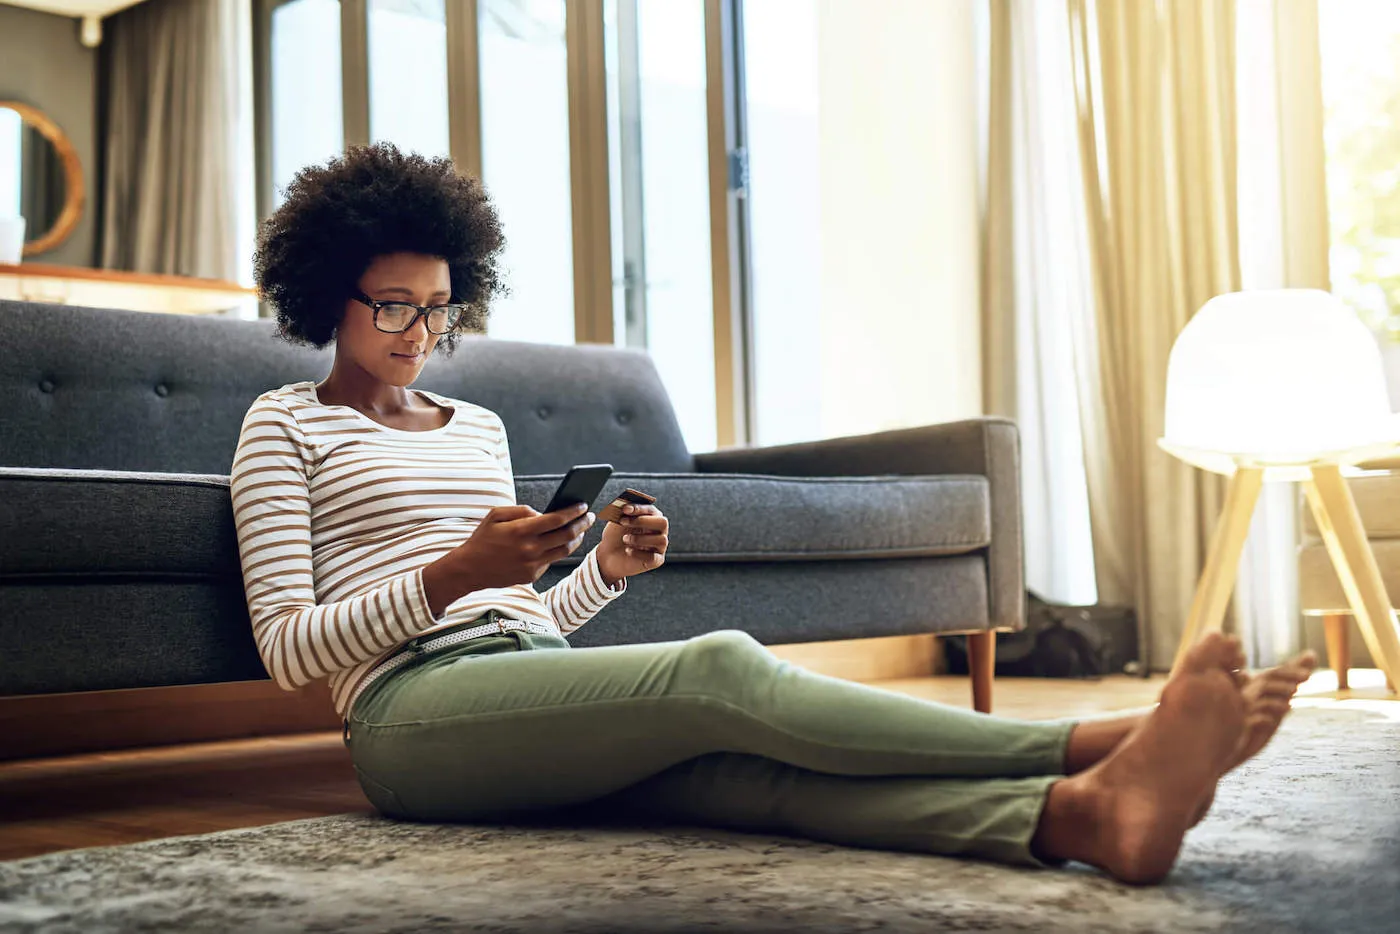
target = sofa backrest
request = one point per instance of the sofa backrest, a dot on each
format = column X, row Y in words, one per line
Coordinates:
column 123, row 390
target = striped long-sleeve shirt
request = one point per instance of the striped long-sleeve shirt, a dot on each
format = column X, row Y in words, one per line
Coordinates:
column 338, row 514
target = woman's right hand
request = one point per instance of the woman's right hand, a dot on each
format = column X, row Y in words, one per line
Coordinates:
column 512, row 545
column 516, row 544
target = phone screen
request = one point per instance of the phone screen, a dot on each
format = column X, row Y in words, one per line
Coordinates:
column 581, row 484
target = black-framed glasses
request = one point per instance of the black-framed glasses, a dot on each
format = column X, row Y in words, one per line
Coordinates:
column 395, row 317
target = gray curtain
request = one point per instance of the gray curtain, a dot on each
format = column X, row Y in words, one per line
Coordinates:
column 169, row 85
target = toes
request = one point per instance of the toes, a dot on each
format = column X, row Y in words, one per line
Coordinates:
column 1273, row 685
column 1304, row 664
column 1296, row 676
column 1270, row 709
column 1237, row 659
column 1214, row 650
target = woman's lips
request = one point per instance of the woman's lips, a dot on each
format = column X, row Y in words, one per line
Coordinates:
column 408, row 357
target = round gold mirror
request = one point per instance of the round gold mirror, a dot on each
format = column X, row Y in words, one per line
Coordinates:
column 41, row 179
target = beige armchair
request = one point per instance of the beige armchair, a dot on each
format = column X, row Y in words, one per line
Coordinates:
column 1377, row 495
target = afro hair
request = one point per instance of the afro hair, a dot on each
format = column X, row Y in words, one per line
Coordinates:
column 372, row 201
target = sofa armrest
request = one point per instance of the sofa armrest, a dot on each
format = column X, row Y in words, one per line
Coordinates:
column 988, row 447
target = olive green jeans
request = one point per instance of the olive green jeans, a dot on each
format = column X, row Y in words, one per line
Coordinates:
column 714, row 730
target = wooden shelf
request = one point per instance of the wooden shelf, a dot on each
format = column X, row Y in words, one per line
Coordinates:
column 133, row 291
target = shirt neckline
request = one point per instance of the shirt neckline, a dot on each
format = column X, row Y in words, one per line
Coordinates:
column 431, row 397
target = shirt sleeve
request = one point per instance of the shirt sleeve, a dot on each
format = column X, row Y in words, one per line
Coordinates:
column 582, row 595
column 298, row 639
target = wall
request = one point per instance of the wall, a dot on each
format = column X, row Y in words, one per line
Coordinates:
column 863, row 179
column 900, row 325
column 43, row 64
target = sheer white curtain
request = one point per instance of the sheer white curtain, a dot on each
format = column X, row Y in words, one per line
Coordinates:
column 1037, row 281
column 1283, row 244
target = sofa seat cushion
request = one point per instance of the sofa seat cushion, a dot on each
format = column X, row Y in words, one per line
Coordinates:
column 747, row 517
column 85, row 523
column 61, row 523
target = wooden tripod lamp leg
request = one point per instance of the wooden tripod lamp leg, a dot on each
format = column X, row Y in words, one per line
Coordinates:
column 1223, row 558
column 1345, row 537
column 1334, row 628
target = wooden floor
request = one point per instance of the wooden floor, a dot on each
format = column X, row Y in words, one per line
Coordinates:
column 101, row 799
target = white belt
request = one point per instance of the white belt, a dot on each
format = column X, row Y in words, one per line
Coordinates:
column 413, row 648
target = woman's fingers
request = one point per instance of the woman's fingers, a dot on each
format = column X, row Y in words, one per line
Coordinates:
column 653, row 559
column 657, row 542
column 645, row 534
column 646, row 523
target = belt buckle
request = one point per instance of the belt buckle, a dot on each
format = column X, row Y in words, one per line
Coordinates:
column 501, row 625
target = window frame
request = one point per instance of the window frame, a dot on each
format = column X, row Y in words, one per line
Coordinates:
column 588, row 161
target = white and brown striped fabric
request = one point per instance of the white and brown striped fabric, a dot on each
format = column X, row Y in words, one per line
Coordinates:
column 337, row 515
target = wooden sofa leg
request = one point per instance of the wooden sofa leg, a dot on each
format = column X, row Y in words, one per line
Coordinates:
column 982, row 662
column 1334, row 628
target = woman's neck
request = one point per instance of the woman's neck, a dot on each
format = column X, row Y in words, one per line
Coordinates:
column 352, row 386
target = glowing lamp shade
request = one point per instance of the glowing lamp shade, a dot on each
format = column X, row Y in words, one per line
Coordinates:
column 1281, row 377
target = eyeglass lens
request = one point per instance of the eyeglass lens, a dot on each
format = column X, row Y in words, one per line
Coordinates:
column 441, row 318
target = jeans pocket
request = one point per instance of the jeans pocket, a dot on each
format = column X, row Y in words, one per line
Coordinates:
column 381, row 796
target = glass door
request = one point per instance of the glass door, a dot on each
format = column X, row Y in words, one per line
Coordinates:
column 659, row 189
column 408, row 75
column 525, row 164
column 305, row 89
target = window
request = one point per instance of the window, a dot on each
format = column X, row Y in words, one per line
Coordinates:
column 408, row 74
column 306, row 102
column 497, row 93
column 525, row 164
column 657, row 140
column 1361, row 97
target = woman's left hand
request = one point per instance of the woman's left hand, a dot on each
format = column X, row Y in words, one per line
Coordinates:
column 635, row 545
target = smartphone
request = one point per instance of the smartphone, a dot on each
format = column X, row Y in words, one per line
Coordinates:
column 581, row 484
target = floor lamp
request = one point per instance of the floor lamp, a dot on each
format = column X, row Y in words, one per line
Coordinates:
column 1283, row 385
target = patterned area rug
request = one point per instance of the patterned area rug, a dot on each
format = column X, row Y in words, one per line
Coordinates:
column 1306, row 838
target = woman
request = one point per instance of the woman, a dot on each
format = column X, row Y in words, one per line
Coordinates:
column 382, row 549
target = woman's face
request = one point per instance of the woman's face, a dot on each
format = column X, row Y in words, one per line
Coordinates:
column 395, row 359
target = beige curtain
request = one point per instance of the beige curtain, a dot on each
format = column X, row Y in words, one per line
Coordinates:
column 1154, row 84
column 998, row 287
column 169, row 81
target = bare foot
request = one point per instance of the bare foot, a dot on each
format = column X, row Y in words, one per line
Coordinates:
column 1128, row 814
column 1267, row 696
column 1091, row 741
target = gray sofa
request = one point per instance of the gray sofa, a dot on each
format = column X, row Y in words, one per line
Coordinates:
column 119, row 567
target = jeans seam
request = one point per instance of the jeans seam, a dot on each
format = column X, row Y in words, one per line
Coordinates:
column 364, row 776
